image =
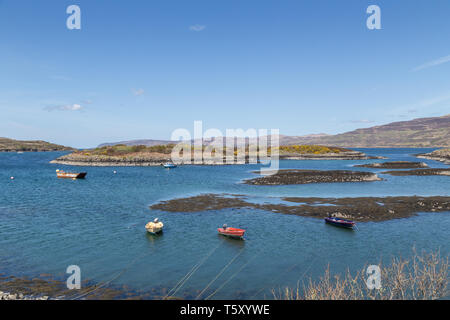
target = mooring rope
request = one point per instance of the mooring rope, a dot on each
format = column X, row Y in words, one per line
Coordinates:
column 188, row 275
column 231, row 278
column 221, row 271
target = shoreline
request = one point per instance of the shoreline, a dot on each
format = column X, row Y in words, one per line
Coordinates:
column 43, row 287
column 360, row 209
column 442, row 155
column 420, row 172
column 143, row 156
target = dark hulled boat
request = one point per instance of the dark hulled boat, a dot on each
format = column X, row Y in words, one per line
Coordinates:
column 339, row 222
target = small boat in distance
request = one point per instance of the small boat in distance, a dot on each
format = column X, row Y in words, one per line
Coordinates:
column 169, row 165
column 70, row 175
column 339, row 222
column 154, row 227
column 234, row 233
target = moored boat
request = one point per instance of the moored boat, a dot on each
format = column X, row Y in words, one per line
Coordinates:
column 169, row 165
column 231, row 232
column 70, row 175
column 154, row 227
column 339, row 222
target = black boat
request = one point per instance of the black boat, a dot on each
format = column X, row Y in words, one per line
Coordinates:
column 339, row 222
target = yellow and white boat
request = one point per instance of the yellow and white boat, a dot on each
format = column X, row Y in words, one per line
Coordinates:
column 154, row 227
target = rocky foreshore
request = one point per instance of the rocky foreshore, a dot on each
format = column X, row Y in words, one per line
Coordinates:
column 284, row 177
column 442, row 155
column 20, row 296
column 359, row 209
column 420, row 172
column 394, row 165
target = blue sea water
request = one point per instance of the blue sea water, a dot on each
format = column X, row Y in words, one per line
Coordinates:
column 47, row 224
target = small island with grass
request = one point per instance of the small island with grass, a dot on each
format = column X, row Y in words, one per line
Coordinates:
column 141, row 155
column 11, row 145
column 318, row 152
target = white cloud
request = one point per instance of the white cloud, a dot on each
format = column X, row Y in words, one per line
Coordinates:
column 197, row 28
column 68, row 107
column 138, row 92
column 432, row 63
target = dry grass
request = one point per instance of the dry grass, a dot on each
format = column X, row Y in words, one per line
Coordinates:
column 422, row 277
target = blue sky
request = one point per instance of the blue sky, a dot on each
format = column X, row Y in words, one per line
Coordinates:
column 141, row 69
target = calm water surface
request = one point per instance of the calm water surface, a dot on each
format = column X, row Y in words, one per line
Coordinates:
column 47, row 224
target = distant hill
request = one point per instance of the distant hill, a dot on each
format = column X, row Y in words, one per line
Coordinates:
column 423, row 132
column 143, row 142
column 11, row 145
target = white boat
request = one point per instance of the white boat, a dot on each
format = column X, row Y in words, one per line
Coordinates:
column 154, row 227
column 169, row 165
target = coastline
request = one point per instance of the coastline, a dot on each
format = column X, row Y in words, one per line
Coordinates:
column 442, row 155
column 360, row 209
column 43, row 287
column 157, row 159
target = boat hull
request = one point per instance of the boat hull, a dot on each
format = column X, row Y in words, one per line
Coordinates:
column 342, row 223
column 155, row 231
column 231, row 233
column 70, row 175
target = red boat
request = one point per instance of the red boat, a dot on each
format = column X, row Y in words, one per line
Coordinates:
column 231, row 232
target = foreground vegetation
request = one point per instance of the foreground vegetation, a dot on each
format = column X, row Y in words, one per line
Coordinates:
column 422, row 277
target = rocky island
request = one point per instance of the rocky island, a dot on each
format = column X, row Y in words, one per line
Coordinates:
column 442, row 155
column 284, row 177
column 394, row 165
column 141, row 155
column 420, row 172
column 11, row 145
column 359, row 209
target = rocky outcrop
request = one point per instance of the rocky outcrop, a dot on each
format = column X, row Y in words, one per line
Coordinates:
column 394, row 165
column 357, row 209
column 442, row 155
column 20, row 296
column 420, row 172
column 283, row 177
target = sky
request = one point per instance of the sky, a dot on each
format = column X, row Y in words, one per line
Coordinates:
column 141, row 69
